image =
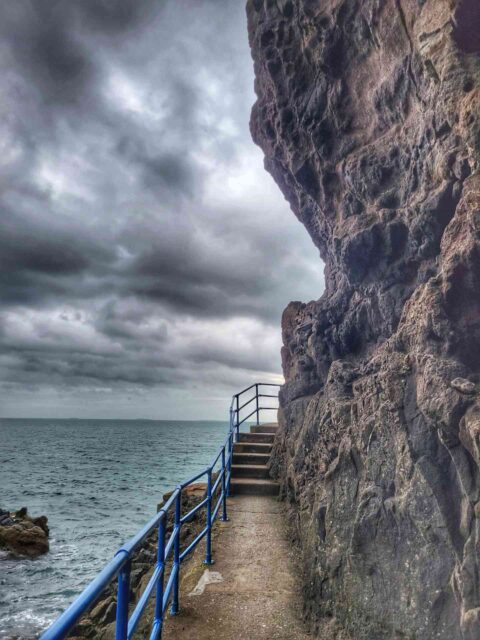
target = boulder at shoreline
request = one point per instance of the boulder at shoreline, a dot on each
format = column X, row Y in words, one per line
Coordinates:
column 22, row 535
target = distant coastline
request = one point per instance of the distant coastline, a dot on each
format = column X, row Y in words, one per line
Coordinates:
column 176, row 421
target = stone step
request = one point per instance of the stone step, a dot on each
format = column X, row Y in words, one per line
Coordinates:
column 263, row 428
column 252, row 447
column 254, row 487
column 250, row 471
column 257, row 437
column 251, row 458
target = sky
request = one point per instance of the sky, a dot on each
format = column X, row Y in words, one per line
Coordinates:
column 145, row 254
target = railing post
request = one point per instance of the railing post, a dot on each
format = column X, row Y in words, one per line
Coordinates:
column 208, row 554
column 123, row 596
column 229, row 461
column 224, row 488
column 158, row 622
column 176, row 553
column 256, row 395
column 230, row 445
column 238, row 419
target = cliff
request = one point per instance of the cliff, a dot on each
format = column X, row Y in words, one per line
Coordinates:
column 368, row 115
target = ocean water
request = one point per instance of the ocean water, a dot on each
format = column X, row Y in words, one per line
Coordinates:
column 97, row 481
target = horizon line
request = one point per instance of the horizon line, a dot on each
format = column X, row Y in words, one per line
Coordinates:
column 122, row 419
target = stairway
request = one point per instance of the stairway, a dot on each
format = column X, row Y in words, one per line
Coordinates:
column 250, row 462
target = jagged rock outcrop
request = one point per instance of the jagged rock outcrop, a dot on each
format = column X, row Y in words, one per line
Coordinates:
column 368, row 113
column 22, row 535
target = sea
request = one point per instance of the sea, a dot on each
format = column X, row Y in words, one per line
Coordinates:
column 98, row 482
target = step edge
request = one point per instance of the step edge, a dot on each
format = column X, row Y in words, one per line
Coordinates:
column 257, row 444
column 256, row 467
column 264, row 481
column 256, row 433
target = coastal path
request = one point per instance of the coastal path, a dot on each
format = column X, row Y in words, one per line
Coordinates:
column 241, row 583
column 251, row 592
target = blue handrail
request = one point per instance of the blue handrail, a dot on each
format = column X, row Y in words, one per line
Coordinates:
column 120, row 565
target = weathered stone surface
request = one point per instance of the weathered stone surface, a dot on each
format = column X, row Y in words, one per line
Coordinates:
column 464, row 386
column 22, row 535
column 368, row 114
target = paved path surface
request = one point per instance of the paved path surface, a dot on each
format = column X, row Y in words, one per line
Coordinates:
column 251, row 592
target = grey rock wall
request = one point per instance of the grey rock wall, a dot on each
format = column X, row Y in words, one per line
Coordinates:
column 368, row 113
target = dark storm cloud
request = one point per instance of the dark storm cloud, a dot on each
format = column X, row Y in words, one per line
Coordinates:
column 44, row 259
column 141, row 244
column 116, row 16
column 45, row 39
column 162, row 173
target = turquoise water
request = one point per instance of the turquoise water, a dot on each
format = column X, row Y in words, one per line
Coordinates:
column 97, row 481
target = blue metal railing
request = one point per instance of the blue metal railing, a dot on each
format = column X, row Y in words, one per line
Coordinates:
column 120, row 565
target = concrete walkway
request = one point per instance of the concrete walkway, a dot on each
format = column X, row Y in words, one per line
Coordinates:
column 251, row 592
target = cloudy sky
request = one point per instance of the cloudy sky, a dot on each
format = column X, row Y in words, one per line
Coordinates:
column 145, row 255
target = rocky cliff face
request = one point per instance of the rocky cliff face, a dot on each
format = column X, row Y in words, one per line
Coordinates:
column 368, row 112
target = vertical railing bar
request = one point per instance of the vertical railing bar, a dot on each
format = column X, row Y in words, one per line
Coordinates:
column 229, row 461
column 208, row 552
column 230, row 445
column 161, row 562
column 238, row 420
column 256, row 402
column 224, row 488
column 123, row 597
column 176, row 552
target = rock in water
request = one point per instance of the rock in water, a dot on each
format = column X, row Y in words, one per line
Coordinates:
column 22, row 535
column 368, row 115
